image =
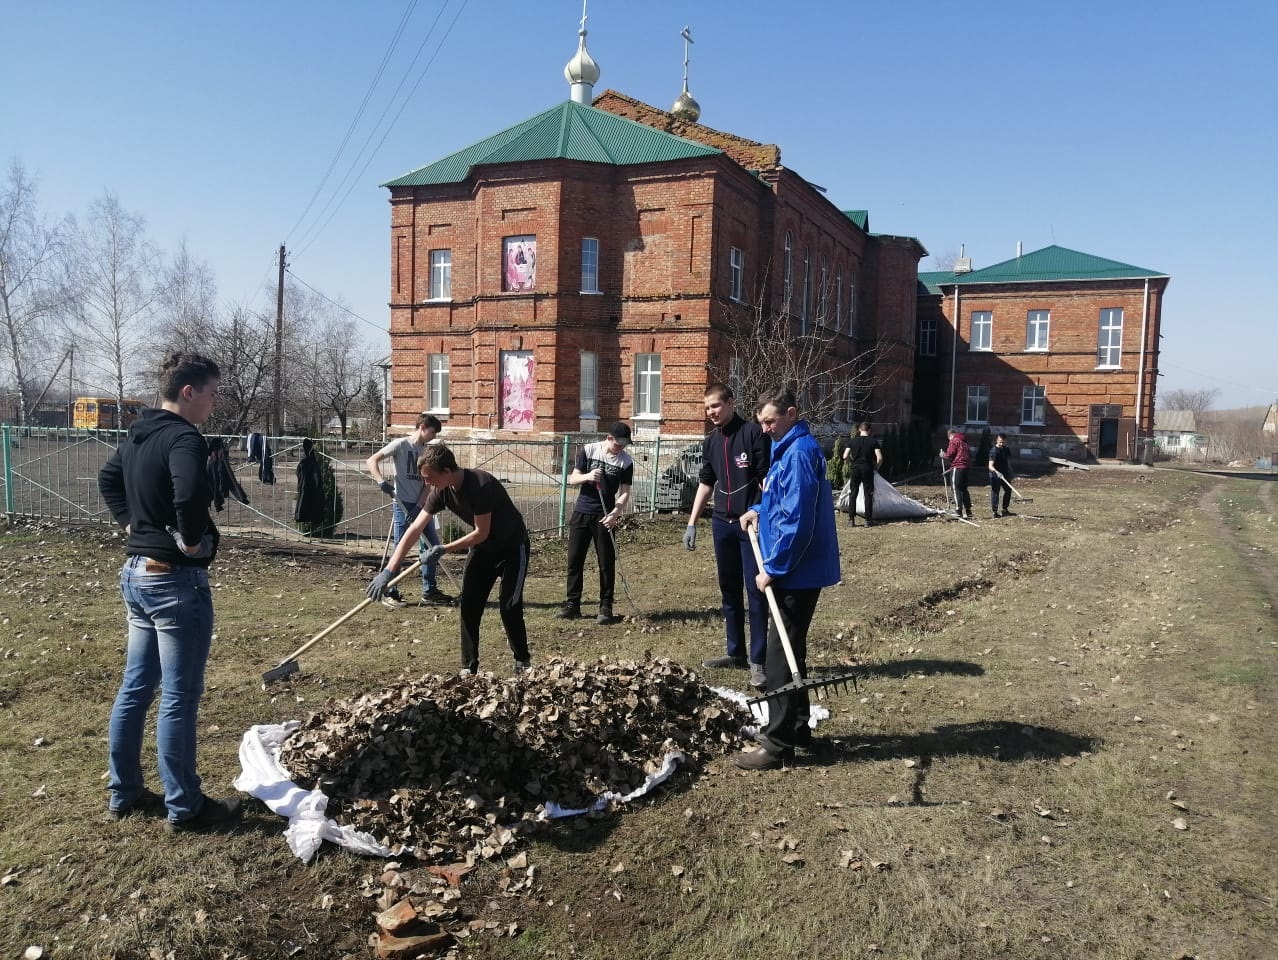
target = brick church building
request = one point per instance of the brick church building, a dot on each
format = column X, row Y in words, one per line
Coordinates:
column 593, row 262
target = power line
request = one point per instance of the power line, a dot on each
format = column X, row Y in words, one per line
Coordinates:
column 311, row 235
column 359, row 113
column 1231, row 383
column 340, row 306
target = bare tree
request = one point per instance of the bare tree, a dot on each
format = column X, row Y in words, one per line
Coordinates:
column 242, row 344
column 185, row 305
column 115, row 274
column 811, row 348
column 1197, row 401
column 342, row 370
column 33, row 285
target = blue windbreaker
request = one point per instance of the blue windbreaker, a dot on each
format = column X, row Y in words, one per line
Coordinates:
column 797, row 534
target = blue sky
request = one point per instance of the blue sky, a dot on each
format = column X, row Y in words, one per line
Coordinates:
column 1144, row 132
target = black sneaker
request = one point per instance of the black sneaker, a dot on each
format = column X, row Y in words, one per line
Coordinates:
column 437, row 598
column 605, row 616
column 148, row 801
column 569, row 611
column 212, row 815
column 726, row 663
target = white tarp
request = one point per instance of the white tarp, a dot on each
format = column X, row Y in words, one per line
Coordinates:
column 889, row 503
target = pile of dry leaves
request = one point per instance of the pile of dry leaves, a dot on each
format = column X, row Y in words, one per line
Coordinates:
column 452, row 766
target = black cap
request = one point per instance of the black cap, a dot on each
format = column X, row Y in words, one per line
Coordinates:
column 620, row 432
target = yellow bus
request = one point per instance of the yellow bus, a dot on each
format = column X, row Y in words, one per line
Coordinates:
column 100, row 413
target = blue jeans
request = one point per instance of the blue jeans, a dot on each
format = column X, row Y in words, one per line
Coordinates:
column 170, row 617
column 402, row 516
column 734, row 561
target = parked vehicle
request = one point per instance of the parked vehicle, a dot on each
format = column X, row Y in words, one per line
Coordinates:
column 102, row 413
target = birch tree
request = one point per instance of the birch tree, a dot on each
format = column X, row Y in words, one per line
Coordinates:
column 33, row 287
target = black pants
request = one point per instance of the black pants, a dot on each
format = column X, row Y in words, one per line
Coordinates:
column 788, row 716
column 863, row 479
column 995, row 485
column 484, row 565
column 583, row 530
column 962, row 498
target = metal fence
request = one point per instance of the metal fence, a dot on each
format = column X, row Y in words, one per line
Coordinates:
column 52, row 473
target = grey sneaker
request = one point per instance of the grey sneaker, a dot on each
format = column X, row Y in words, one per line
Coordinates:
column 522, row 666
column 465, row 672
column 392, row 601
column 605, row 616
column 726, row 663
column 758, row 676
column 437, row 598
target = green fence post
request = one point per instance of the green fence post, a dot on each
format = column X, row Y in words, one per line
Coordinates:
column 8, row 474
column 656, row 472
column 563, row 487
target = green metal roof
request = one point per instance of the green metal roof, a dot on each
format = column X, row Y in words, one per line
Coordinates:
column 1053, row 264
column 931, row 280
column 860, row 217
column 569, row 131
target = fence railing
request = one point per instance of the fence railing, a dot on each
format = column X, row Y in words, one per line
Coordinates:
column 52, row 473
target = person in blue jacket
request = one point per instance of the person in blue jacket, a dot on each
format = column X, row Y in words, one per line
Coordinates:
column 800, row 548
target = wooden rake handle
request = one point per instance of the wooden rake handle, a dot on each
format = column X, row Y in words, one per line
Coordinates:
column 772, row 605
column 411, row 568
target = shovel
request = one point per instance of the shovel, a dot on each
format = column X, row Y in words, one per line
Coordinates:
column 288, row 665
column 799, row 684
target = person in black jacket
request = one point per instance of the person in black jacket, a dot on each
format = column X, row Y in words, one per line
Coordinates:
column 156, row 486
column 734, row 461
column 865, row 456
column 1000, row 474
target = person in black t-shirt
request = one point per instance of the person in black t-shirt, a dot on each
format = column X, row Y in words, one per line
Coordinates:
column 497, row 549
column 1000, row 474
column 865, row 456
column 603, row 473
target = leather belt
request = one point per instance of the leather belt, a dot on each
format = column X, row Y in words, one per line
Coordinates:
column 156, row 566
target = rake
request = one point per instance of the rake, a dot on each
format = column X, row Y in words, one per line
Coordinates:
column 800, row 683
column 954, row 515
column 1016, row 493
column 288, row 665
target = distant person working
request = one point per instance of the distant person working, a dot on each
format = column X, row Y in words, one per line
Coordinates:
column 865, row 456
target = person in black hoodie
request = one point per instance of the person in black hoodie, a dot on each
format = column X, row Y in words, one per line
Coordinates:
column 734, row 461
column 157, row 488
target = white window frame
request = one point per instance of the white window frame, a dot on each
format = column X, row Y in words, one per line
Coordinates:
column 806, row 307
column 983, row 321
column 978, row 403
column 1109, row 339
column 441, row 274
column 589, row 385
column 437, row 382
column 736, row 274
column 823, row 295
column 590, row 265
column 1034, row 406
column 838, row 302
column 927, row 337
column 647, row 405
column 1037, row 330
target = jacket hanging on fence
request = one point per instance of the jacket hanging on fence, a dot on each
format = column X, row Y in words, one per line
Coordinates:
column 253, row 447
column 310, row 487
column 266, row 469
column 221, row 476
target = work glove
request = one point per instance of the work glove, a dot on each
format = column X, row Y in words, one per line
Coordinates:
column 431, row 556
column 206, row 544
column 377, row 586
column 387, row 488
column 690, row 537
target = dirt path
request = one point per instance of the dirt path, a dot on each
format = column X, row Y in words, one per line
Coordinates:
column 1261, row 564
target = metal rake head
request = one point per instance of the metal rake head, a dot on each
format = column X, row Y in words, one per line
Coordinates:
column 821, row 686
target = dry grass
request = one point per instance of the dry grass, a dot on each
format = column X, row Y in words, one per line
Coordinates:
column 998, row 787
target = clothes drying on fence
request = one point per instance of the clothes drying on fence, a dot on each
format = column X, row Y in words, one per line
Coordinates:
column 221, row 477
column 253, row 446
column 889, row 503
column 266, row 469
column 310, row 486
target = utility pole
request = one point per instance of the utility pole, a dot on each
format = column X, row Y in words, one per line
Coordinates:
column 277, row 418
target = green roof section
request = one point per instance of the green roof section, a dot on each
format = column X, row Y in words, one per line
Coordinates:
column 860, row 217
column 569, row 131
column 931, row 280
column 1052, row 265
